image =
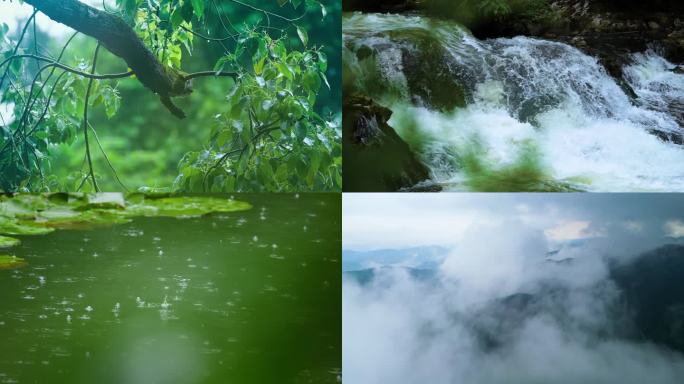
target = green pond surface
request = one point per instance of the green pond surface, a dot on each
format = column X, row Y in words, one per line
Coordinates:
column 243, row 297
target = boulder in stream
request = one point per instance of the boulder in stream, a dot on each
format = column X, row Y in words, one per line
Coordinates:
column 376, row 158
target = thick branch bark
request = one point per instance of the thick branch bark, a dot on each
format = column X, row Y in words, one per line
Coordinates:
column 115, row 35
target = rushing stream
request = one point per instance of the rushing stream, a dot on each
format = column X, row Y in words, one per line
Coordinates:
column 529, row 103
column 242, row 297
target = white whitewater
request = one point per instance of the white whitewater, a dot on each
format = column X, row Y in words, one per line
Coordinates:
column 526, row 93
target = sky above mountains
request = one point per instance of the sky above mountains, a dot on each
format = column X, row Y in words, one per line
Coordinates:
column 396, row 221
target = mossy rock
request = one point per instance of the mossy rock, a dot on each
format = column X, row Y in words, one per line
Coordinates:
column 11, row 262
column 431, row 80
column 413, row 65
column 376, row 157
column 6, row 241
column 110, row 200
column 80, row 220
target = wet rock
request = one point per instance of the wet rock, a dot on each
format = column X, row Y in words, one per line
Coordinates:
column 432, row 82
column 405, row 62
column 668, row 137
column 376, row 158
column 674, row 46
column 364, row 52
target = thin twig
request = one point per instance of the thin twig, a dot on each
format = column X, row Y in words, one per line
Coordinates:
column 85, row 120
column 70, row 69
column 252, row 7
column 208, row 38
column 21, row 37
column 116, row 175
column 35, row 39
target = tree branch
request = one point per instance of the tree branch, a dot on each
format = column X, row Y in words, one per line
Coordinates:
column 194, row 75
column 115, row 35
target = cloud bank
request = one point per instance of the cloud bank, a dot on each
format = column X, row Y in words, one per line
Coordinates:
column 508, row 306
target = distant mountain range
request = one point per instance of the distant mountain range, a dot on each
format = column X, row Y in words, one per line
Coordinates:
column 427, row 257
column 366, row 276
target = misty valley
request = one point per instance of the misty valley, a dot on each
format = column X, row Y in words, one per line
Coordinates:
column 521, row 300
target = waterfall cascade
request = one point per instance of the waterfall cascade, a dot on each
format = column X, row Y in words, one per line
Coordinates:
column 519, row 107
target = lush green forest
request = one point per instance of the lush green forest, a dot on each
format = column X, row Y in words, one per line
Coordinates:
column 257, row 82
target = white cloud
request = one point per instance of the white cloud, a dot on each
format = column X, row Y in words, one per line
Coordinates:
column 633, row 226
column 398, row 329
column 372, row 221
column 568, row 230
column 674, row 228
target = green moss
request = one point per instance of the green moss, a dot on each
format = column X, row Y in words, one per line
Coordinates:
column 408, row 128
column 538, row 11
column 11, row 262
column 470, row 12
column 526, row 174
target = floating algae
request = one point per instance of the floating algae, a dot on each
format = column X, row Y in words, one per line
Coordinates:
column 27, row 214
column 11, row 262
column 6, row 241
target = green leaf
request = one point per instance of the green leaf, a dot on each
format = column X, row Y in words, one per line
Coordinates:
column 198, row 6
column 176, row 18
column 322, row 62
column 303, row 35
column 221, row 63
column 265, row 172
column 224, row 137
column 259, row 66
column 311, row 81
column 130, row 7
column 325, row 79
column 285, row 70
